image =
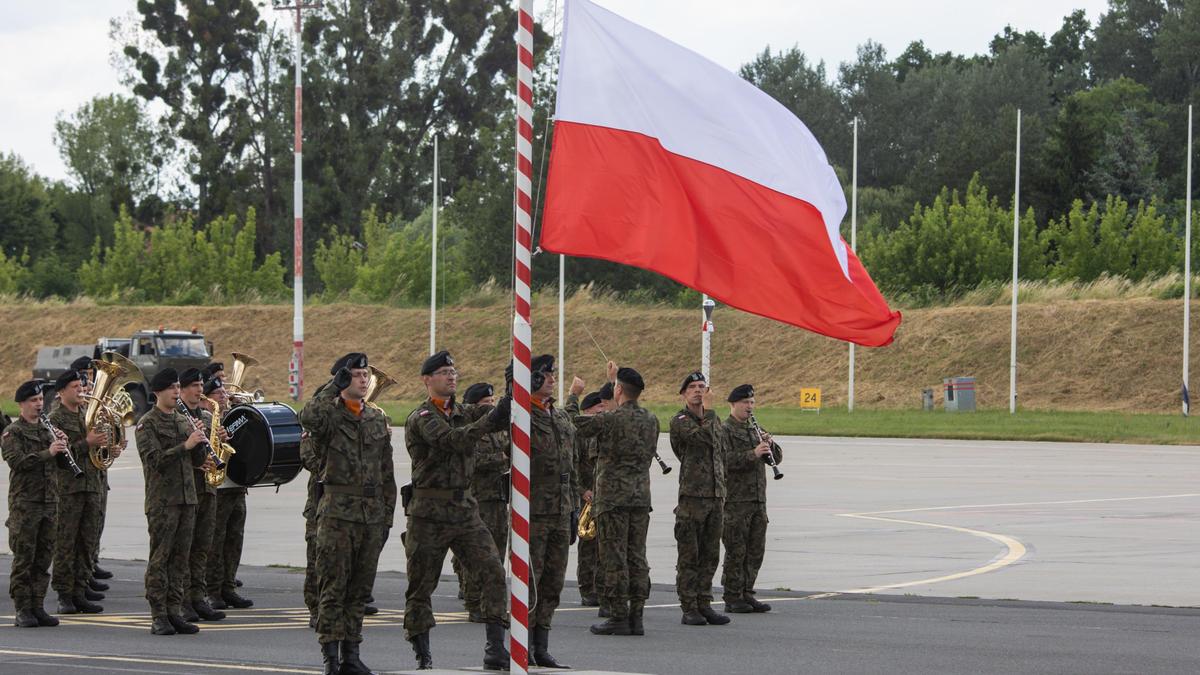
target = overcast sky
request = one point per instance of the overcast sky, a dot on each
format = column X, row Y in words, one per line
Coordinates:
column 56, row 54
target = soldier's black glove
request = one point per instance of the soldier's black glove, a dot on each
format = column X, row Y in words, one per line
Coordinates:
column 342, row 378
column 574, row 526
column 499, row 417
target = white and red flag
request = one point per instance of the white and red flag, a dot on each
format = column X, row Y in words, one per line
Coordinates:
column 666, row 161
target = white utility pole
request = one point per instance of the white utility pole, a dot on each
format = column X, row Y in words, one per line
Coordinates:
column 1012, row 377
column 853, row 247
column 433, row 266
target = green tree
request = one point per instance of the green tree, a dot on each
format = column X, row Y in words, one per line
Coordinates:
column 26, row 224
column 108, row 145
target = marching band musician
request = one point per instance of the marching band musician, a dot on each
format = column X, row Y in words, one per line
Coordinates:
column 745, row 534
column 87, row 375
column 195, row 604
column 31, row 455
column 229, row 528
column 489, row 487
column 170, row 449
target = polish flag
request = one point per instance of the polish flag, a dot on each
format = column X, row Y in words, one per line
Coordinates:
column 666, row 161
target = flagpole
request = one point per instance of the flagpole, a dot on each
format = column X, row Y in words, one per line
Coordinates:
column 1012, row 377
column 433, row 265
column 706, row 329
column 562, row 320
column 1187, row 271
column 853, row 247
column 521, row 343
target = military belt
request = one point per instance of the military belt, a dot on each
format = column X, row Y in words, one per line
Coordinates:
column 456, row 495
column 356, row 490
column 564, row 478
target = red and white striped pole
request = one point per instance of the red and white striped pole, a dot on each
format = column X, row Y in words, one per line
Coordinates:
column 296, row 366
column 522, row 339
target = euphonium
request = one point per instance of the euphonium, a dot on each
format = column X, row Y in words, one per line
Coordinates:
column 587, row 524
column 378, row 382
column 216, row 476
column 238, row 395
column 109, row 407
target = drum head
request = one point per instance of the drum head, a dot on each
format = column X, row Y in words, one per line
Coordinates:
column 267, row 439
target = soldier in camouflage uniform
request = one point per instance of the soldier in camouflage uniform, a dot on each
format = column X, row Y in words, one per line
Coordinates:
column 696, row 441
column 442, row 438
column 78, row 528
column 489, row 485
column 229, row 528
column 83, row 365
column 625, row 446
column 746, row 519
column 170, row 449
column 585, row 467
column 195, row 604
column 352, row 444
column 31, row 455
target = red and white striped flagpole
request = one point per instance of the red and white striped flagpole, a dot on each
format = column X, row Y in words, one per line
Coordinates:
column 522, row 340
column 296, row 376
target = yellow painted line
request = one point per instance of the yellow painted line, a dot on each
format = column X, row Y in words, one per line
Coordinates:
column 160, row 662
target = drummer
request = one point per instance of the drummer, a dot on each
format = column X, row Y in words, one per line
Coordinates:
column 229, row 528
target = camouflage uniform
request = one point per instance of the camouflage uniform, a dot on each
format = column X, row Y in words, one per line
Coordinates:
column 625, row 445
column 206, row 519
column 745, row 536
column 444, row 515
column 697, row 443
column 78, row 528
column 229, row 530
column 585, row 468
column 491, row 462
column 312, row 582
column 354, row 513
column 31, row 508
column 169, row 471
column 553, row 486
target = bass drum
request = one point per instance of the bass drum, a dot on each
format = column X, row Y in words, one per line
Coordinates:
column 267, row 439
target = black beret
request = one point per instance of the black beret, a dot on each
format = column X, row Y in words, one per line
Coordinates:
column 694, row 377
column 436, row 361
column 82, row 363
column 741, row 392
column 28, row 390
column 65, row 379
column 606, row 392
column 212, row 368
column 477, row 392
column 351, row 360
column 163, row 379
column 543, row 364
column 590, row 401
column 212, row 384
column 190, row 376
column 631, row 377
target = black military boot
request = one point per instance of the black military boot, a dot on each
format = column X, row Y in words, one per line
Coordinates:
column 693, row 618
column 232, row 599
column 370, row 609
column 759, row 607
column 738, row 607
column 43, row 618
column 182, row 627
column 86, row 606
column 635, row 617
column 540, row 654
column 206, row 612
column 188, row 612
column 25, row 619
column 101, row 573
column 712, row 617
column 589, row 601
column 161, row 626
column 329, row 657
column 216, row 602
column 66, row 604
column 612, row 626
column 351, row 664
column 98, row 586
column 420, row 645
column 495, row 654
column 89, row 594
column 237, row 582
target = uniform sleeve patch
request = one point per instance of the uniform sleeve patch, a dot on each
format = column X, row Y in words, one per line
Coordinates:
column 140, row 426
column 681, row 416
column 423, row 412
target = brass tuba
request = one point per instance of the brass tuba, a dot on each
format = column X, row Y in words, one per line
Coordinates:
column 216, row 476
column 587, row 524
column 109, row 407
column 378, row 382
column 238, row 395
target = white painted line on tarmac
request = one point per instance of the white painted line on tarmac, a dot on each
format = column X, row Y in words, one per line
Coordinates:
column 160, row 662
column 989, row 506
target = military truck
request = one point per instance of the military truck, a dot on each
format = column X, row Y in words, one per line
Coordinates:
column 151, row 349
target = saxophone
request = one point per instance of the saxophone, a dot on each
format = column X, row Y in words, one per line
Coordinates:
column 216, row 476
column 587, row 524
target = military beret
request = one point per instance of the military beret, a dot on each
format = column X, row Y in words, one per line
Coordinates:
column 542, row 364
column 590, row 401
column 477, row 392
column 65, row 379
column 436, row 361
column 741, row 392
column 631, row 377
column 82, row 363
column 351, row 360
column 28, row 390
column 212, row 384
column 694, row 377
column 212, row 368
column 606, row 392
column 163, row 379
column 190, row 376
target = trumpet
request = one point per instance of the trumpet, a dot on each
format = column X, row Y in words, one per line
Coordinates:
column 60, row 435
column 768, row 458
column 197, row 424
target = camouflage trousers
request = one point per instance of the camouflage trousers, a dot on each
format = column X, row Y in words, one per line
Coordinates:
column 698, row 525
column 202, row 539
column 549, row 550
column 229, row 531
column 494, row 514
column 31, row 540
column 586, row 567
column 76, row 540
column 745, row 540
column 100, row 528
column 624, row 571
column 312, row 580
column 167, row 569
column 347, row 556
column 425, row 546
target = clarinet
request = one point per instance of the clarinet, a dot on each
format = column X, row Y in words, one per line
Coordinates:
column 768, row 458
column 197, row 424
column 58, row 434
column 665, row 469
